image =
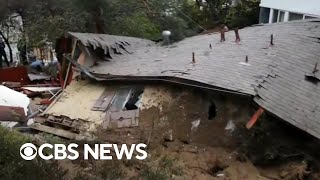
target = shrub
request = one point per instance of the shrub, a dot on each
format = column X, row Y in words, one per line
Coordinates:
column 12, row 166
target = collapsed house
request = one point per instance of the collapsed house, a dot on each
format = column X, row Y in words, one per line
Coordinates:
column 274, row 68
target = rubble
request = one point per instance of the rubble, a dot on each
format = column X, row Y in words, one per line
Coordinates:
column 18, row 89
column 13, row 107
column 176, row 108
column 9, row 113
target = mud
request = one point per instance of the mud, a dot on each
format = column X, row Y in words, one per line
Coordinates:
column 174, row 123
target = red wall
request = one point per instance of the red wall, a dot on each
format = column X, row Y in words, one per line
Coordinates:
column 15, row 74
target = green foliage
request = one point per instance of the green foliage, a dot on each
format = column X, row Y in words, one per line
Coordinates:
column 243, row 14
column 52, row 139
column 97, row 13
column 174, row 16
column 110, row 170
column 12, row 166
column 134, row 18
column 148, row 174
column 164, row 170
column 48, row 19
column 138, row 25
column 216, row 11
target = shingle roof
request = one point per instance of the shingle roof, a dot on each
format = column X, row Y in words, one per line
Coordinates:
column 109, row 42
column 288, row 94
column 275, row 75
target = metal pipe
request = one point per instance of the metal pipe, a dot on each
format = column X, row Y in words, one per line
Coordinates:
column 42, row 108
column 67, row 75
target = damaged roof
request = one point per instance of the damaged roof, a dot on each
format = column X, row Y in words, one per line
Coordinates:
column 288, row 91
column 110, row 43
column 277, row 75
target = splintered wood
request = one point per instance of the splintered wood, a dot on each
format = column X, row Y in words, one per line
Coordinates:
column 121, row 119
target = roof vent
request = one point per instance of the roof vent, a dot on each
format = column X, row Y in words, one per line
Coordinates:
column 193, row 58
column 246, row 63
column 315, row 70
column 166, row 37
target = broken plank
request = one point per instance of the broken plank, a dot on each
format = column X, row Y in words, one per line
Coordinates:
column 122, row 119
column 12, row 85
column 64, row 121
column 104, row 100
column 41, row 89
column 10, row 113
column 55, row 131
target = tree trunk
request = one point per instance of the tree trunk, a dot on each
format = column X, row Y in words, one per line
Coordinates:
column 99, row 22
column 8, row 44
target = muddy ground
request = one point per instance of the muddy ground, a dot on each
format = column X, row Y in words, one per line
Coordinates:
column 271, row 150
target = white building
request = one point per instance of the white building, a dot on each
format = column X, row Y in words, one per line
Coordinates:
column 273, row 11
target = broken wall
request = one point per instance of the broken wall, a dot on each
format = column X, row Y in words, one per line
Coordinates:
column 166, row 113
column 183, row 114
column 76, row 102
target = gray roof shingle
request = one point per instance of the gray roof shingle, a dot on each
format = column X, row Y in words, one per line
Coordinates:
column 275, row 75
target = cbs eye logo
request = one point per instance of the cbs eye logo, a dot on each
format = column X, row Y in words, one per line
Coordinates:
column 28, row 151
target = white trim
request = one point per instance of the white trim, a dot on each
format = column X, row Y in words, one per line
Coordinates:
column 286, row 16
column 271, row 14
column 311, row 7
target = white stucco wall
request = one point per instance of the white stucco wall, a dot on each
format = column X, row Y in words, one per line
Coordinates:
column 309, row 7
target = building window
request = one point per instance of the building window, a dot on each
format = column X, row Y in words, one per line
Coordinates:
column 264, row 15
column 281, row 16
column 295, row 16
column 309, row 17
column 275, row 16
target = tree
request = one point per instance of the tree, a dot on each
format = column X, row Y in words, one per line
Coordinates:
column 244, row 13
column 238, row 13
column 216, row 10
column 96, row 9
column 46, row 20
column 5, row 23
column 8, row 45
column 51, row 20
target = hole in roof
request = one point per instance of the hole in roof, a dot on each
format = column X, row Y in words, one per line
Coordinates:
column 313, row 79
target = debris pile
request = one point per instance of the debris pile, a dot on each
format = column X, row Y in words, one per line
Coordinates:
column 24, row 95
